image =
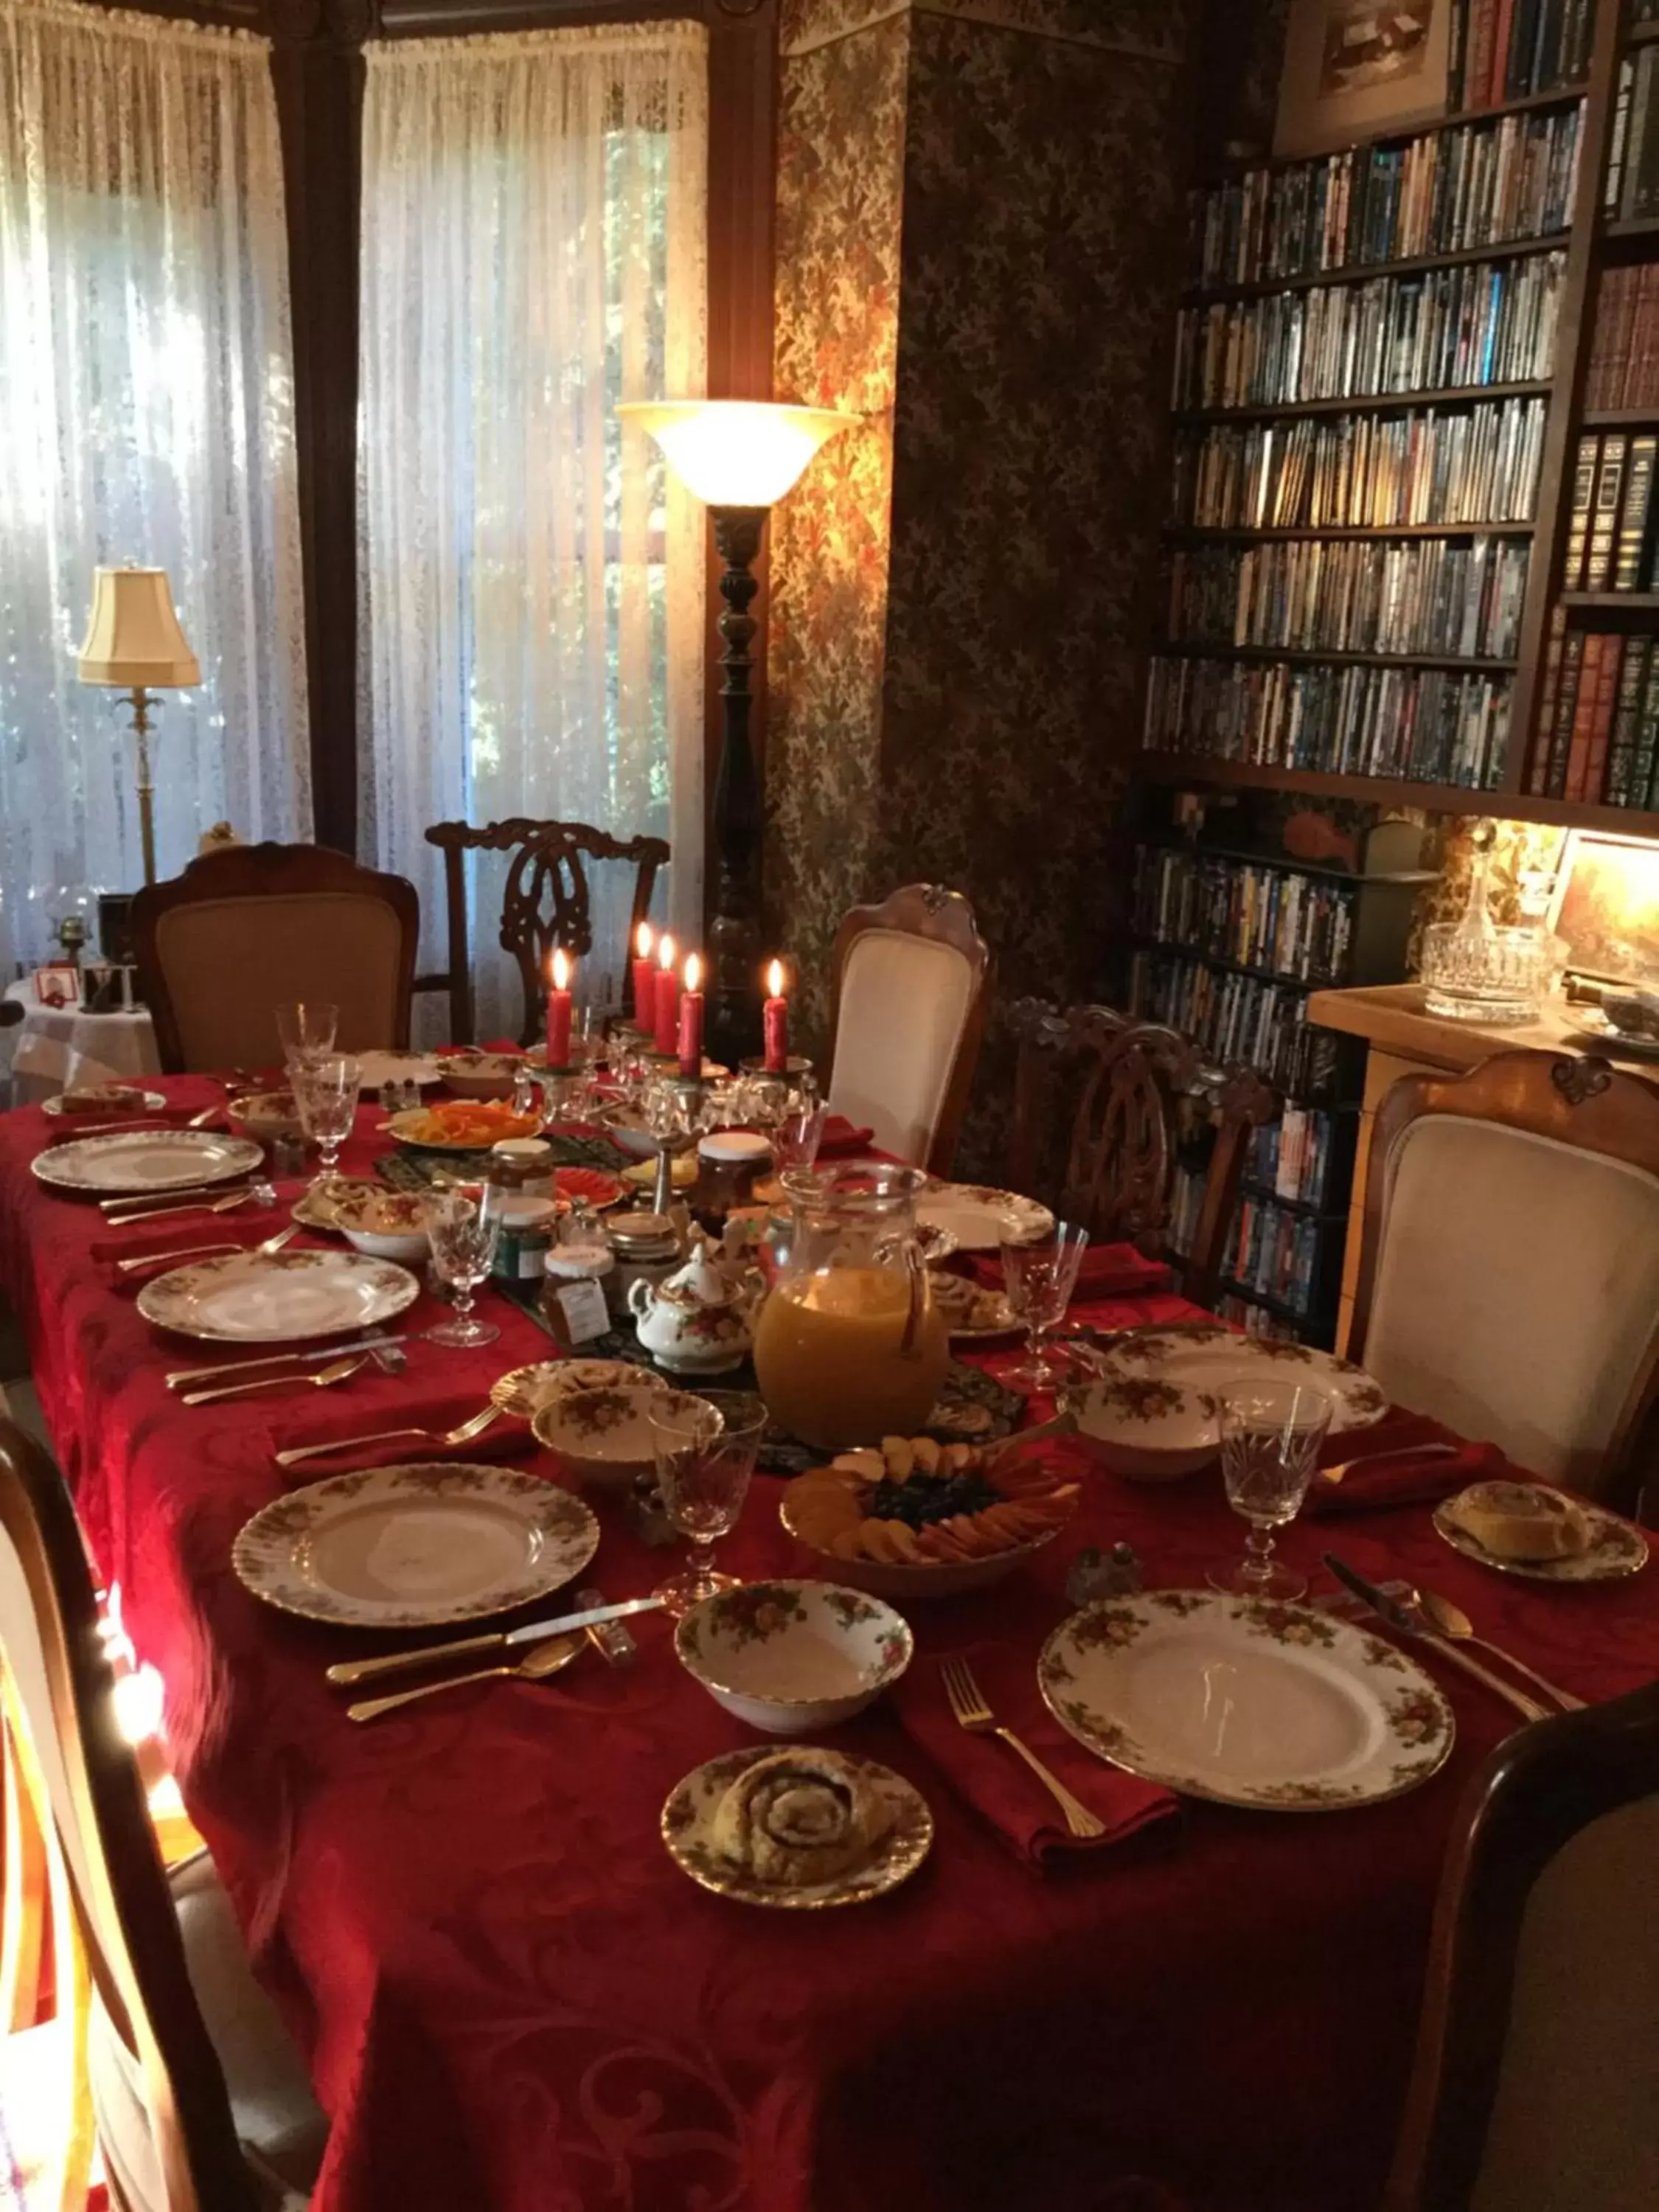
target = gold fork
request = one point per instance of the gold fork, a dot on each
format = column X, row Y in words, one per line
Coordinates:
column 463, row 1434
column 196, row 1251
column 972, row 1713
column 340, row 1370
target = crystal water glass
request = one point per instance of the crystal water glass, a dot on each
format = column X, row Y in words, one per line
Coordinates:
column 305, row 1030
column 705, row 1458
column 464, row 1227
column 798, row 1131
column 326, row 1088
column 1271, row 1433
column 1039, row 1275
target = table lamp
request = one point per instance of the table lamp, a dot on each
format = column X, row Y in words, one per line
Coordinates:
column 739, row 456
column 133, row 641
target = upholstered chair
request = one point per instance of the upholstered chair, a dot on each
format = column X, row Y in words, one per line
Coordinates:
column 219, row 947
column 913, row 979
column 1510, row 1275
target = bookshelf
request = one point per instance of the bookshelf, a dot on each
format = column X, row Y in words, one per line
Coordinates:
column 1489, row 748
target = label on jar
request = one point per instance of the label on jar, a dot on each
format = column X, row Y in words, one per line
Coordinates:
column 586, row 1313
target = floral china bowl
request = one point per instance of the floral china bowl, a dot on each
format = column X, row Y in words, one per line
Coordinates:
column 480, row 1075
column 388, row 1224
column 792, row 1658
column 603, row 1435
column 264, row 1116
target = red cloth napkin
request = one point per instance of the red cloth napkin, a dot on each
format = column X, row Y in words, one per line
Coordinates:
column 840, row 1135
column 996, row 1782
column 184, row 1234
column 1399, row 1477
column 1108, row 1271
column 506, row 1438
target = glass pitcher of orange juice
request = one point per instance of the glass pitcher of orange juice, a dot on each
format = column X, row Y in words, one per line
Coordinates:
column 850, row 1346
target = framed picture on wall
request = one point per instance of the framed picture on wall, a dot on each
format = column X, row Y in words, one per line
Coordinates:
column 1355, row 69
column 1606, row 907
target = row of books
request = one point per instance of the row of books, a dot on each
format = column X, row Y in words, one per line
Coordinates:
column 1598, row 736
column 1256, row 1321
column 1610, row 527
column 1293, row 1155
column 1246, row 911
column 1507, row 49
column 1275, row 1252
column 1428, row 595
column 1631, row 184
column 1426, row 725
column 1481, row 323
column 1237, row 1017
column 1481, row 184
column 1461, row 465
column 1623, row 362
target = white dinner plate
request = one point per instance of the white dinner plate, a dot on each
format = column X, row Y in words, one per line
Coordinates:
column 277, row 1297
column 1595, row 1028
column 376, row 1068
column 1279, row 1706
column 1156, row 1409
column 143, row 1160
column 415, row 1547
column 977, row 1219
column 153, row 1103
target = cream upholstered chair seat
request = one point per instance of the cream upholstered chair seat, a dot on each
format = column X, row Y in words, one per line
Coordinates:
column 911, row 981
column 1517, row 1289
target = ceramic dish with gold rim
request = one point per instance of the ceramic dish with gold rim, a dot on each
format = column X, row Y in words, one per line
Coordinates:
column 522, row 1390
column 134, row 1163
column 688, row 1830
column 977, row 1219
column 277, row 1297
column 792, row 1658
column 1278, row 1707
column 415, row 1547
column 604, row 1437
column 111, row 1100
column 971, row 1312
column 1616, row 1549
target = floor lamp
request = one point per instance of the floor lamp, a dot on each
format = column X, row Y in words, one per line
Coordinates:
column 739, row 456
column 134, row 641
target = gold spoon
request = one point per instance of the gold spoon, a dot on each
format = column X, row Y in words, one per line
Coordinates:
column 535, row 1666
column 1452, row 1622
column 341, row 1370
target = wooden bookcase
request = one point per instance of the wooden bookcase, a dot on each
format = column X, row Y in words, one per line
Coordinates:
column 1591, row 242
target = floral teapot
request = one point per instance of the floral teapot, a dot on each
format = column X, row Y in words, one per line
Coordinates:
column 700, row 1321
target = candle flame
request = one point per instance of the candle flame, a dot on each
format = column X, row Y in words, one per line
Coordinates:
column 693, row 972
column 775, row 980
column 666, row 950
column 560, row 969
column 643, row 941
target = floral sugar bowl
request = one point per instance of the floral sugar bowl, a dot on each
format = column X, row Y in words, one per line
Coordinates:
column 701, row 1320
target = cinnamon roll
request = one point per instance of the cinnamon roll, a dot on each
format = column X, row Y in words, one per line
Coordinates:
column 796, row 1818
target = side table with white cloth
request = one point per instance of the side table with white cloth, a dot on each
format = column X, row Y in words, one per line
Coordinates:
column 55, row 1047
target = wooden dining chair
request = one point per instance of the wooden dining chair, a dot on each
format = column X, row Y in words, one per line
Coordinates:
column 912, row 980
column 545, row 902
column 1536, row 2085
column 1143, row 1096
column 1509, row 1275
column 201, row 2101
column 244, row 929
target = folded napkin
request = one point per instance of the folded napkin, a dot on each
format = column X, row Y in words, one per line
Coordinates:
column 1403, row 1474
column 997, row 1783
column 840, row 1135
column 183, row 1235
column 1107, row 1271
column 509, row 1437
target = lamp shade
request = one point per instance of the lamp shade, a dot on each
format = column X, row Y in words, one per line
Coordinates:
column 133, row 635
column 735, row 453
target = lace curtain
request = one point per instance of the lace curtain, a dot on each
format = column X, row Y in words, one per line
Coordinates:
column 146, row 395
column 533, row 250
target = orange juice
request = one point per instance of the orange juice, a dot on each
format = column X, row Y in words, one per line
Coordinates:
column 828, row 1360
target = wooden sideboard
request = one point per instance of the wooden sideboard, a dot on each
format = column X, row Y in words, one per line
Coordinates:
column 1405, row 1039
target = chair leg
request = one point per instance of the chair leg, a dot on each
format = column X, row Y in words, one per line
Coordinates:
column 23, row 1924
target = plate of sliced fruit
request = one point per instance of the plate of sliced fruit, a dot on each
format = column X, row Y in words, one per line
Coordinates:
column 917, row 1518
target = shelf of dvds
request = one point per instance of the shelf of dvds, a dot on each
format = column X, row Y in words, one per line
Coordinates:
column 1194, row 770
column 1363, row 272
column 1202, row 533
column 1201, row 649
column 1444, row 395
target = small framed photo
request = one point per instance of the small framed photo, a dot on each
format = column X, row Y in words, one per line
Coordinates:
column 1605, row 906
column 58, row 984
column 1361, row 69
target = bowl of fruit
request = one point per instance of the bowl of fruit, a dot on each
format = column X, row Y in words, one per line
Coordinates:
column 918, row 1518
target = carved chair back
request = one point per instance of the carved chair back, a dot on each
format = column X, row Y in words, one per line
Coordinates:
column 1535, row 2086
column 546, row 901
column 1508, row 1278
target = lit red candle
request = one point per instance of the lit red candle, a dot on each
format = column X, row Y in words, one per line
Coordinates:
column 668, row 996
column 691, row 1031
column 775, row 1022
column 558, row 1011
column 645, row 979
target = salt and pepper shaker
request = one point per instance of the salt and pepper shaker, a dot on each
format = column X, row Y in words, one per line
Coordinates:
column 610, row 1639
column 1093, row 1576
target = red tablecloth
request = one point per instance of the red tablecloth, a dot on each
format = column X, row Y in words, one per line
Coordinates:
column 511, row 1998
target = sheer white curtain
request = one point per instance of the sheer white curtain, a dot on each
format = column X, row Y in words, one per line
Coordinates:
column 146, row 415
column 533, row 250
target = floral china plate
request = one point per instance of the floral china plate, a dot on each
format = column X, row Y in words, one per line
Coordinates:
column 277, row 1297
column 688, row 1821
column 521, row 1390
column 138, row 1160
column 1275, row 1706
column 131, row 1101
column 978, row 1219
column 1154, row 1410
column 415, row 1547
column 971, row 1312
column 1596, row 1029
column 1616, row 1548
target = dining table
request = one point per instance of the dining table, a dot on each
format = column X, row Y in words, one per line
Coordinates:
column 510, row 1997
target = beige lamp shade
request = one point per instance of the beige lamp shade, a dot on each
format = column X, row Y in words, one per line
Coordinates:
column 736, row 452
column 133, row 635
